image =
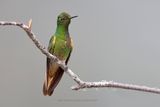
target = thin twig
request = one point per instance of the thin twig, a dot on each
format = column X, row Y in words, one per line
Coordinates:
column 80, row 83
column 112, row 84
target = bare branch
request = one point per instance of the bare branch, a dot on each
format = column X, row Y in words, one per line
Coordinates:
column 112, row 84
column 80, row 83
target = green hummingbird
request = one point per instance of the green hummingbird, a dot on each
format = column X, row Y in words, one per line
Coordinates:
column 61, row 46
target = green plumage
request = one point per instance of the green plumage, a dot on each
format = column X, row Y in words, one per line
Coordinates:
column 60, row 45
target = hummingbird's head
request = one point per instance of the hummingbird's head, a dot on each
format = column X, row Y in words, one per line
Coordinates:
column 64, row 19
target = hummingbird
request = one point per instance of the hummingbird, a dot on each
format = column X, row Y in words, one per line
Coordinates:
column 60, row 45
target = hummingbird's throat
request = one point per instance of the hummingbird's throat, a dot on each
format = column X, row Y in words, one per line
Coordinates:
column 62, row 30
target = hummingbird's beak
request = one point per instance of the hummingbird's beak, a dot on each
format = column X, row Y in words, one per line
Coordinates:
column 73, row 17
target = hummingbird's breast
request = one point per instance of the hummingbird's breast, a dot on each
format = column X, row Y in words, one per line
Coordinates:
column 61, row 49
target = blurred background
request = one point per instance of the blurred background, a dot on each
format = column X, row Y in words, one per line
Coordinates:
column 115, row 40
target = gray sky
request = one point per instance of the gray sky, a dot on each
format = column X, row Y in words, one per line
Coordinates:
column 113, row 40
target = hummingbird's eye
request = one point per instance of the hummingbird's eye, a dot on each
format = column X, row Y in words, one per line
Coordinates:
column 61, row 18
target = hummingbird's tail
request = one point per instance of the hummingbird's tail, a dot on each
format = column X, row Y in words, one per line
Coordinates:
column 51, row 82
column 45, row 88
column 45, row 92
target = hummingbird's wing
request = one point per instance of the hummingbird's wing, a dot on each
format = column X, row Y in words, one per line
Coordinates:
column 54, row 72
column 71, row 47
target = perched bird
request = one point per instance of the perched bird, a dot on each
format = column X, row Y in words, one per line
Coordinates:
column 61, row 46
